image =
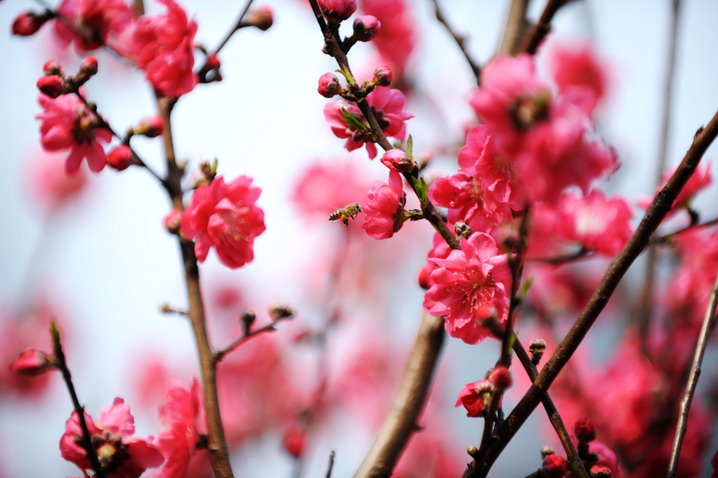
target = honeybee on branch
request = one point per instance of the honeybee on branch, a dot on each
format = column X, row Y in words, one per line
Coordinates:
column 345, row 213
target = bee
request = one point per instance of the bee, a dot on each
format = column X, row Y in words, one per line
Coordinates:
column 345, row 213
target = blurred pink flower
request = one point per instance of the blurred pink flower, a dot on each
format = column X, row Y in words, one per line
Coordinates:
column 162, row 46
column 470, row 285
column 397, row 39
column 92, row 23
column 579, row 73
column 178, row 440
column 67, row 124
column 224, row 216
column 51, row 185
column 120, row 454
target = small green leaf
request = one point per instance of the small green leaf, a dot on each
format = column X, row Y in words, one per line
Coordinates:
column 352, row 120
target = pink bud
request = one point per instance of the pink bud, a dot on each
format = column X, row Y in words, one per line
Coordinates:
column 424, row 275
column 50, row 85
column 88, row 67
column 173, row 221
column 261, row 17
column 554, row 466
column 31, row 362
column 366, row 27
column 328, row 85
column 120, row 158
column 51, row 67
column 151, row 126
column 27, row 24
column 338, row 9
column 383, row 76
column 501, row 378
column 397, row 160
column 600, row 471
column 294, row 440
column 585, row 430
column 212, row 62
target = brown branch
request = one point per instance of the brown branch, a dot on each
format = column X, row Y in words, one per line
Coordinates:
column 536, row 33
column 695, row 372
column 653, row 217
column 237, row 25
column 408, row 402
column 644, row 307
column 330, row 468
column 460, row 41
column 85, row 439
column 515, row 28
column 668, row 238
column 219, row 354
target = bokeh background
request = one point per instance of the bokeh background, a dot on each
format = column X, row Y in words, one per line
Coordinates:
column 104, row 263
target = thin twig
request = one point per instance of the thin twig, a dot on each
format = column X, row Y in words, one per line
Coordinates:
column 460, row 41
column 536, row 33
column 85, row 438
column 237, row 25
column 330, row 468
column 582, row 253
column 219, row 354
column 644, row 307
column 565, row 350
column 703, row 336
column 668, row 238
column 515, row 28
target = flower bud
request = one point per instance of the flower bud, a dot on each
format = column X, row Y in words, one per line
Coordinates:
column 501, row 378
column 554, row 466
column 329, row 85
column 31, row 362
column 536, row 349
column 424, row 275
column 280, row 312
column 338, row 10
column 585, row 430
column 51, row 67
column 212, row 62
column 151, row 127
column 382, row 76
column 398, row 160
column 173, row 221
column 600, row 471
column 28, row 23
column 51, row 85
column 120, row 158
column 88, row 67
column 294, row 440
column 261, row 17
column 366, row 27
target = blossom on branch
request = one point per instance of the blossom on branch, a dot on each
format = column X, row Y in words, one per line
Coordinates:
column 119, row 453
column 224, row 216
column 92, row 23
column 384, row 208
column 469, row 286
column 67, row 123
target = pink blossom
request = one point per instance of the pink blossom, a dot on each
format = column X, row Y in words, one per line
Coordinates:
column 102, row 20
column 66, row 123
column 469, row 286
column 599, row 224
column 347, row 121
column 120, row 454
column 224, row 216
column 699, row 180
column 474, row 397
column 162, row 46
column 606, row 457
column 398, row 36
column 338, row 9
column 579, row 73
column 31, row 362
column 51, row 185
column 384, row 208
column 178, row 440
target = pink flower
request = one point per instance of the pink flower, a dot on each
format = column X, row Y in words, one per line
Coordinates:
column 162, row 46
column 120, row 454
column 475, row 397
column 384, row 209
column 327, row 186
column 102, row 20
column 31, row 362
column 66, row 123
column 579, row 73
column 398, row 36
column 51, row 185
column 699, row 180
column 599, row 224
column 178, row 441
column 469, row 286
column 347, row 122
column 225, row 217
column 338, row 9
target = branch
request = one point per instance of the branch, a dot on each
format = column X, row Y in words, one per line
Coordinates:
column 219, row 354
column 695, row 372
column 408, row 402
column 653, row 217
column 85, row 439
column 237, row 25
column 459, row 39
column 515, row 28
column 535, row 35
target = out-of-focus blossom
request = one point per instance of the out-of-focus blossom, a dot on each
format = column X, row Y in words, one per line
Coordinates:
column 338, row 9
column 119, row 453
column 67, row 124
column 92, row 23
column 120, row 158
column 579, row 73
column 31, row 362
column 224, row 216
column 51, row 185
column 469, row 286
column 327, row 186
column 398, row 36
column 178, row 440
column 162, row 46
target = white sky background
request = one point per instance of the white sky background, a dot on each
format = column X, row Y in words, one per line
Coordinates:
column 111, row 263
